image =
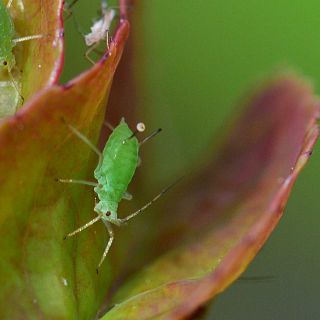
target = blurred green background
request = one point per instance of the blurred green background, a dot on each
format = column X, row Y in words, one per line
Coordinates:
column 194, row 61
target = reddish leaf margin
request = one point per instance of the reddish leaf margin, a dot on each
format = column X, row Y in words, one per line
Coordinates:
column 260, row 160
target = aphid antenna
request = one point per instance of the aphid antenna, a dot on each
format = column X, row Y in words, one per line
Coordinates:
column 83, row 182
column 139, row 128
column 264, row 278
column 70, row 5
column 152, row 135
column 147, row 205
column 15, row 41
column 93, row 48
column 108, row 39
column 104, row 6
column 76, row 24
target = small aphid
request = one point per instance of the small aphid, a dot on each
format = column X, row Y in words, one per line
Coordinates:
column 116, row 167
column 100, row 30
column 8, row 42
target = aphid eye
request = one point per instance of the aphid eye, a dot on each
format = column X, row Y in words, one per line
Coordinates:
column 108, row 214
column 141, row 126
column 5, row 63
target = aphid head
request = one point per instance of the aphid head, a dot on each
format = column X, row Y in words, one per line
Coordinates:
column 111, row 216
column 108, row 210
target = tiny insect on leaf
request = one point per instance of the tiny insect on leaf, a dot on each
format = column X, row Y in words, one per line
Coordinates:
column 7, row 42
column 116, row 167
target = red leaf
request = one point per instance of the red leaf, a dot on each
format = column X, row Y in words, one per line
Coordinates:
column 230, row 209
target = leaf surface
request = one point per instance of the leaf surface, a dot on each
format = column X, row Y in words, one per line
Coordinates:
column 228, row 211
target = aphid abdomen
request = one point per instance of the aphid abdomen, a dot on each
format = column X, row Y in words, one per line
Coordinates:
column 6, row 37
column 120, row 159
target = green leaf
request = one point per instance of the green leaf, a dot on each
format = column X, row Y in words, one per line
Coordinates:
column 42, row 276
column 228, row 211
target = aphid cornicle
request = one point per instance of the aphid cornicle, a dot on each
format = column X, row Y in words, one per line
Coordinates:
column 8, row 41
column 116, row 167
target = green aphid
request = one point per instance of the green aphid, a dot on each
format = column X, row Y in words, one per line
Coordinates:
column 8, row 41
column 116, row 167
column 6, row 36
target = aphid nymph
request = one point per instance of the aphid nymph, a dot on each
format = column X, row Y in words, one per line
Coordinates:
column 8, row 41
column 100, row 29
column 116, row 167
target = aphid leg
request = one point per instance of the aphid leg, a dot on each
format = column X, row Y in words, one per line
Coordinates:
column 86, row 141
column 20, row 5
column 9, row 4
column 108, row 40
column 27, row 38
column 71, row 4
column 67, row 11
column 111, row 235
column 93, row 47
column 15, row 84
column 90, row 223
column 99, row 52
column 152, row 135
column 84, row 182
column 121, row 221
column 108, row 125
column 127, row 196
column 67, row 8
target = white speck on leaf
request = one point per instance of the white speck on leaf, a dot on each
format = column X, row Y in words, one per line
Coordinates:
column 65, row 282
